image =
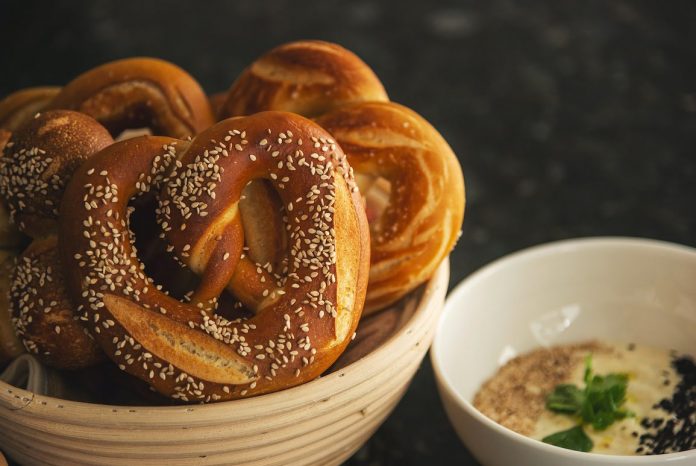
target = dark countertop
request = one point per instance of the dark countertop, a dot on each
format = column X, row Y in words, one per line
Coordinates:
column 570, row 118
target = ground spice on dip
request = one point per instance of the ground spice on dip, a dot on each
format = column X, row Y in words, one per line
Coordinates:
column 516, row 395
column 660, row 398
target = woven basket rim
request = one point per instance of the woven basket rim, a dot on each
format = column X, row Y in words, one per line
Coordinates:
column 310, row 392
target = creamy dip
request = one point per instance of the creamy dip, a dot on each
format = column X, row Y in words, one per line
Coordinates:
column 516, row 395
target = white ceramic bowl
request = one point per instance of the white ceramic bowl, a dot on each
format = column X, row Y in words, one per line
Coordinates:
column 620, row 289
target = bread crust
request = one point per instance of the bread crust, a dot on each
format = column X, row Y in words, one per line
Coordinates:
column 139, row 92
column 42, row 312
column 190, row 352
column 304, row 77
column 38, row 162
column 423, row 216
column 21, row 106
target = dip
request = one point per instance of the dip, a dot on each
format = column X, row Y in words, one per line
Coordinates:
column 661, row 393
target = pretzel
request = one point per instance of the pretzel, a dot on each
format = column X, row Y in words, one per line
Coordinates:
column 304, row 77
column 186, row 350
column 425, row 203
column 36, row 165
column 139, row 92
column 409, row 176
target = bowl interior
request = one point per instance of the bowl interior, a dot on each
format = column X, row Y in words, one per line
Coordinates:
column 616, row 289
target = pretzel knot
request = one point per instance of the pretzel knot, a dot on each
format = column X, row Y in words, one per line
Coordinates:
column 189, row 350
column 411, row 179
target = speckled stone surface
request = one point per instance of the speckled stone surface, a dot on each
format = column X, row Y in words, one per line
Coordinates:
column 570, row 118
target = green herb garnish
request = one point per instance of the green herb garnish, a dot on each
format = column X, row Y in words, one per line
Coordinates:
column 598, row 404
column 574, row 438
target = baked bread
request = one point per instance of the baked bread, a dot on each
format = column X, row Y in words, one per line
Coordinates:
column 19, row 107
column 264, row 242
column 187, row 350
column 43, row 314
column 419, row 223
column 15, row 110
column 139, row 92
column 39, row 160
column 408, row 174
column 305, row 77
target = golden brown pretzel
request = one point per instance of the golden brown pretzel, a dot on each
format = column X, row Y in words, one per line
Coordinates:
column 187, row 352
column 415, row 223
column 305, row 77
column 21, row 106
column 42, row 312
column 139, row 92
column 423, row 214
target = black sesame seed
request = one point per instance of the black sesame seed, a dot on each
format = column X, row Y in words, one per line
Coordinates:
column 678, row 432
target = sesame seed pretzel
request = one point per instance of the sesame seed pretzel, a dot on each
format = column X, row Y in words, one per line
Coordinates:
column 15, row 110
column 43, row 314
column 190, row 352
column 411, row 179
column 38, row 162
column 36, row 165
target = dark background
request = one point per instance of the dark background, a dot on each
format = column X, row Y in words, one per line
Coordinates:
column 569, row 118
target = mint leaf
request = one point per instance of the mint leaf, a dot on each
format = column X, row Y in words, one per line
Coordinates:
column 603, row 399
column 598, row 404
column 566, row 398
column 574, row 438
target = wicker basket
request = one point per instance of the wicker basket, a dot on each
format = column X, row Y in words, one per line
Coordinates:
column 322, row 422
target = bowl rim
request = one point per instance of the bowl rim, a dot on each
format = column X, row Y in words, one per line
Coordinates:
column 527, row 254
column 309, row 392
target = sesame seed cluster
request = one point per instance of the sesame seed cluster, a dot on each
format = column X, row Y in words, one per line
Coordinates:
column 675, row 430
column 39, row 160
column 37, row 163
column 42, row 313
